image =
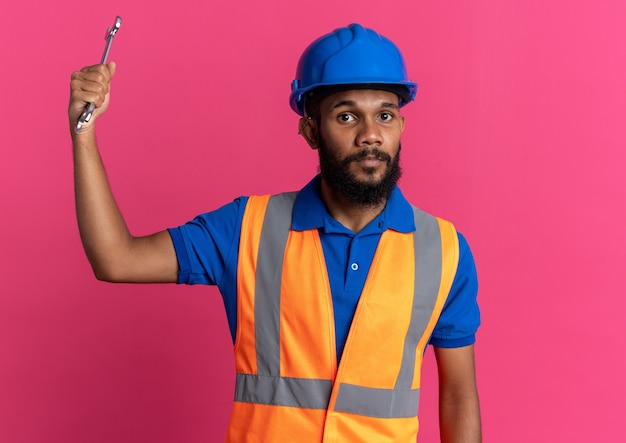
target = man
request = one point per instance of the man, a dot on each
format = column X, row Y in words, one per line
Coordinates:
column 332, row 293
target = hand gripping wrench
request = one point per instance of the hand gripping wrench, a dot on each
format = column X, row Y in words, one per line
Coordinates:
column 89, row 108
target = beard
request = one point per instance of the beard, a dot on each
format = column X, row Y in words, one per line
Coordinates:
column 336, row 173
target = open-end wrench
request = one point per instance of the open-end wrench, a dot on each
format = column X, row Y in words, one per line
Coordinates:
column 89, row 108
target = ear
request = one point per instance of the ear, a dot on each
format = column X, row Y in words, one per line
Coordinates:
column 307, row 128
column 401, row 124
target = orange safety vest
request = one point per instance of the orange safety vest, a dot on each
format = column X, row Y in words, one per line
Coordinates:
column 289, row 387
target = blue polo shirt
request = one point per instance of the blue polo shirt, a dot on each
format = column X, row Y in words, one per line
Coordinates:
column 207, row 250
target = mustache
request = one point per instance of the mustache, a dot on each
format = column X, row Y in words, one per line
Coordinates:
column 372, row 152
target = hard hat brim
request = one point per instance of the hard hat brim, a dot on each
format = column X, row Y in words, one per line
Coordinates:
column 405, row 91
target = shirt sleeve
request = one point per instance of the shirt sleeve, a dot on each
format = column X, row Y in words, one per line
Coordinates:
column 460, row 316
column 206, row 245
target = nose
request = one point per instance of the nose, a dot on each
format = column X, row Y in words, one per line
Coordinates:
column 369, row 133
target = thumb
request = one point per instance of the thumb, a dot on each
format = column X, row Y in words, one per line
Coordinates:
column 112, row 66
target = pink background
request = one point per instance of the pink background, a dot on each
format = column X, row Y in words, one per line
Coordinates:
column 517, row 136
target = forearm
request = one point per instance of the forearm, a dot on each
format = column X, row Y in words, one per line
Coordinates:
column 102, row 228
column 459, row 410
column 459, row 420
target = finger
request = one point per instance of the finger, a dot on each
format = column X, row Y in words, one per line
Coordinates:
column 100, row 75
column 101, row 69
column 92, row 80
column 88, row 88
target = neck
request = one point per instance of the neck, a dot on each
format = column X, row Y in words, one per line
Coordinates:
column 352, row 216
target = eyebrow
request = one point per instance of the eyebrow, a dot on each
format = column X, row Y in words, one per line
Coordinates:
column 353, row 103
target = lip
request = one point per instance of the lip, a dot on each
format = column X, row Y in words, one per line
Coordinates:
column 370, row 162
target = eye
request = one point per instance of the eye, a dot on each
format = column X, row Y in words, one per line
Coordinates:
column 345, row 117
column 386, row 116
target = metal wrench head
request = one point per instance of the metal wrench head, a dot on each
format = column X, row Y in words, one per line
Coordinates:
column 112, row 30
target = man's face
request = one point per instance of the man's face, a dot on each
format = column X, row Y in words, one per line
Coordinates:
column 359, row 144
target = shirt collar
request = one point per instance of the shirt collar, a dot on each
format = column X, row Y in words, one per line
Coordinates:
column 310, row 213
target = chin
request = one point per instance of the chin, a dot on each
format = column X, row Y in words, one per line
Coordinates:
column 371, row 177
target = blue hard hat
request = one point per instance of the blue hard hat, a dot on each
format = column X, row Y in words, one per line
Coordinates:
column 351, row 56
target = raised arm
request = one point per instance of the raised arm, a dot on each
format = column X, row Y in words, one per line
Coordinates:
column 115, row 255
column 459, row 411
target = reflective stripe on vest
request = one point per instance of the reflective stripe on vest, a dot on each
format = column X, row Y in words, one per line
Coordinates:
column 259, row 378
